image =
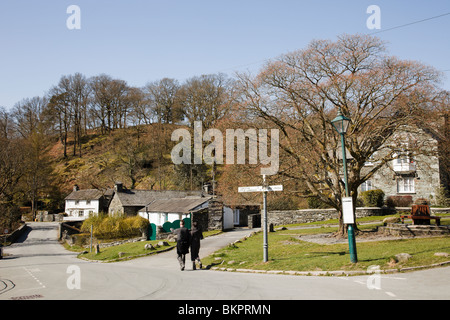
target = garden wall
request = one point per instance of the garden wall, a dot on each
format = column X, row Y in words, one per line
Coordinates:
column 313, row 215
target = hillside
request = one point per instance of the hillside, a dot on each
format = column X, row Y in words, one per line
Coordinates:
column 139, row 157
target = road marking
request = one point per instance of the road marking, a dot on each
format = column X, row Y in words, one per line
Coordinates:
column 390, row 294
column 34, row 277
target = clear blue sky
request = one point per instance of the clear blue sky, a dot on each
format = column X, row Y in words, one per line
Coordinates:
column 146, row 40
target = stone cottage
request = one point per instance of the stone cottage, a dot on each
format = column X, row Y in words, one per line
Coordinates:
column 161, row 211
column 129, row 202
column 411, row 175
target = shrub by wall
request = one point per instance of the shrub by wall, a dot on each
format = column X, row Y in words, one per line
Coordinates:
column 372, row 198
column 399, row 201
column 115, row 227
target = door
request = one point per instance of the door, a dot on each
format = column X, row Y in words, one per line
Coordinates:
column 236, row 217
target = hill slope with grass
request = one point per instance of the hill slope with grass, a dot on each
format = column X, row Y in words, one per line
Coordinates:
column 137, row 156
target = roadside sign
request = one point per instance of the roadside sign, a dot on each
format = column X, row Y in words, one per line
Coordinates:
column 347, row 210
column 261, row 188
column 264, row 189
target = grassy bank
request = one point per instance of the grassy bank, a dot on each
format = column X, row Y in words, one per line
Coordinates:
column 288, row 252
column 129, row 250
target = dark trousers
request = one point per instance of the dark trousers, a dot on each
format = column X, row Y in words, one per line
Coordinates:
column 182, row 260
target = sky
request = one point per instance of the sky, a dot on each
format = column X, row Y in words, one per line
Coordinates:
column 142, row 41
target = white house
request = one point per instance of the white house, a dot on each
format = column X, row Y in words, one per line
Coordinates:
column 80, row 204
column 161, row 211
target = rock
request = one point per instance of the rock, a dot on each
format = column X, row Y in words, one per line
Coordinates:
column 218, row 258
column 231, row 262
column 391, row 220
column 97, row 249
column 149, row 246
column 172, row 238
column 122, row 254
column 442, row 254
column 163, row 244
column 402, row 257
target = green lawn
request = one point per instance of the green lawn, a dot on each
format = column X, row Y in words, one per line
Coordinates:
column 288, row 253
column 131, row 250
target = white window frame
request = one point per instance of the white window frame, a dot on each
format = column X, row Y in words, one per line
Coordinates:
column 406, row 185
column 367, row 185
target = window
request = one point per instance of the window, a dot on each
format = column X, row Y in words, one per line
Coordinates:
column 366, row 186
column 405, row 185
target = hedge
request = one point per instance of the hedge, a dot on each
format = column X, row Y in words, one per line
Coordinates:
column 115, row 227
column 372, row 198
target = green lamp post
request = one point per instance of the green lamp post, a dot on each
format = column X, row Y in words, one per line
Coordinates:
column 341, row 123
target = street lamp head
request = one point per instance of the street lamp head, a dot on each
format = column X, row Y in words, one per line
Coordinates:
column 341, row 122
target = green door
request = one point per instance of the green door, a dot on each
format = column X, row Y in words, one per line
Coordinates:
column 151, row 231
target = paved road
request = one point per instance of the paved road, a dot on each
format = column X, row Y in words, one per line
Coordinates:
column 38, row 267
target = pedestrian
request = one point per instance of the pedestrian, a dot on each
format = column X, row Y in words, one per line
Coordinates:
column 196, row 236
column 183, row 242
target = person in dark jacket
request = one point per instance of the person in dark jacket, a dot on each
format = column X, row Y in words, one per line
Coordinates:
column 183, row 243
column 196, row 236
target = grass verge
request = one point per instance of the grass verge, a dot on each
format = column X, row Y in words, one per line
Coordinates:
column 288, row 253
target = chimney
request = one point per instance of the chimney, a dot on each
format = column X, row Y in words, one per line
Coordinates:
column 118, row 187
column 76, row 188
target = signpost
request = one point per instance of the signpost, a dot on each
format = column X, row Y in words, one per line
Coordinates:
column 264, row 189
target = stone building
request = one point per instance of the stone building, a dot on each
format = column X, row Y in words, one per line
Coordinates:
column 414, row 171
column 129, row 202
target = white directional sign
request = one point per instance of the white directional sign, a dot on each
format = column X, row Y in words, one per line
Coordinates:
column 261, row 188
column 264, row 190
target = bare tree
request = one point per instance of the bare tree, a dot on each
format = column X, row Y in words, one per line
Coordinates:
column 207, row 98
column 161, row 97
column 107, row 102
column 300, row 93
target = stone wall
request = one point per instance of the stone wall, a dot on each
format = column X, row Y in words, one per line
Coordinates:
column 201, row 217
column 300, row 216
column 215, row 215
column 313, row 215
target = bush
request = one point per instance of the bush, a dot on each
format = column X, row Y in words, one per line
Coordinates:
column 316, row 203
column 115, row 227
column 399, row 201
column 373, row 198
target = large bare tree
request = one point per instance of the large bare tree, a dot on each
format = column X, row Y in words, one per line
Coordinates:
column 301, row 92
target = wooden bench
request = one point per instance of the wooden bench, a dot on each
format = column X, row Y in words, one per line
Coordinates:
column 421, row 218
column 420, row 214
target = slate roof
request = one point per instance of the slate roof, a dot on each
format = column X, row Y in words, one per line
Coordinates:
column 141, row 198
column 175, row 205
column 88, row 194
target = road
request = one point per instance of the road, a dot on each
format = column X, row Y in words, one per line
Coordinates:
column 38, row 267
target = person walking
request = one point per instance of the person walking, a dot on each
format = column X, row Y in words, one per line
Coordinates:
column 196, row 236
column 183, row 242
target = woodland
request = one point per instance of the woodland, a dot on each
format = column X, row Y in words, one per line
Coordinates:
column 98, row 130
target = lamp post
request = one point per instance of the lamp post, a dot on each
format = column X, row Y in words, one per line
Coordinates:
column 341, row 123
